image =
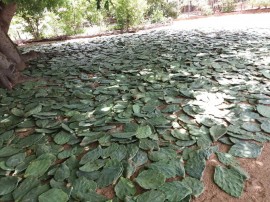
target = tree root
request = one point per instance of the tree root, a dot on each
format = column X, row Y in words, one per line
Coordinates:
column 21, row 78
column 31, row 55
column 7, row 77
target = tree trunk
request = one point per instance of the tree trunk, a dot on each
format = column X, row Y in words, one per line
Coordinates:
column 10, row 51
column 7, row 11
column 4, row 62
column 7, row 72
column 11, row 60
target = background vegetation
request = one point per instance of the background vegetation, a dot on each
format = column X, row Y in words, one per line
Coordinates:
column 73, row 17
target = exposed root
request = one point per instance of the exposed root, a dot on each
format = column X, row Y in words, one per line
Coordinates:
column 21, row 78
column 7, row 77
column 31, row 55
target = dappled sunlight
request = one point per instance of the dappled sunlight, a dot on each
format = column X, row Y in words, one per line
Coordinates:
column 259, row 163
column 248, row 22
column 105, row 109
column 214, row 161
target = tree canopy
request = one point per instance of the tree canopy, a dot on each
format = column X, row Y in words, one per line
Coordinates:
column 32, row 7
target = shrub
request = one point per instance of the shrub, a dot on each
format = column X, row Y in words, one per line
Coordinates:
column 52, row 25
column 260, row 3
column 206, row 10
column 171, row 9
column 157, row 16
column 227, row 6
column 34, row 24
column 71, row 16
column 159, row 10
column 129, row 13
column 203, row 6
column 96, row 16
column 33, row 13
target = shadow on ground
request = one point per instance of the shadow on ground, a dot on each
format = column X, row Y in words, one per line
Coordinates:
column 145, row 112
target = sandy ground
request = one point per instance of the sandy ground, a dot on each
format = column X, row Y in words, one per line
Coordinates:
column 256, row 188
column 259, row 22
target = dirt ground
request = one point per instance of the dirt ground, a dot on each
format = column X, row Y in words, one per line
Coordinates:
column 256, row 188
column 260, row 22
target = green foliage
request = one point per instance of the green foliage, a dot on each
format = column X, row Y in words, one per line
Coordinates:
column 175, row 191
column 229, row 180
column 227, row 5
column 150, row 179
column 201, row 5
column 129, row 13
column 159, row 10
column 53, row 194
column 171, row 9
column 124, row 188
column 33, row 24
column 52, row 15
column 96, row 16
column 204, row 7
column 8, row 184
column 207, row 9
column 157, row 16
column 72, row 15
column 33, row 14
column 32, row 6
column 260, row 3
column 106, row 4
column 52, row 25
column 264, row 110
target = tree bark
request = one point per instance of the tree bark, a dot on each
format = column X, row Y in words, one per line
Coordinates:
column 7, row 72
column 4, row 62
column 11, row 61
column 7, row 11
column 10, row 51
